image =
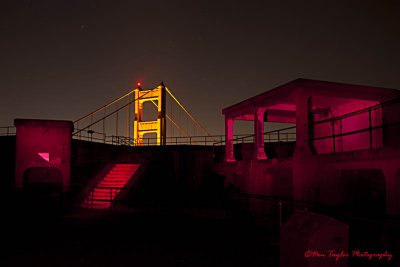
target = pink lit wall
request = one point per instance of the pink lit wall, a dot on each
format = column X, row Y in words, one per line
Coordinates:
column 43, row 145
column 356, row 122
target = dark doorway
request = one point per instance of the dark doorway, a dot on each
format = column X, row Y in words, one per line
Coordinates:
column 42, row 188
column 364, row 192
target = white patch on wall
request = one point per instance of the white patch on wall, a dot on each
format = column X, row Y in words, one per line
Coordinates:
column 45, row 156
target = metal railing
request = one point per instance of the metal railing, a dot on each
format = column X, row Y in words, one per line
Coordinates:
column 93, row 136
column 8, row 131
column 112, row 197
column 178, row 140
column 281, row 135
column 335, row 124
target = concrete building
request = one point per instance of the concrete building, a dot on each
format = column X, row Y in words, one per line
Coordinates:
column 346, row 148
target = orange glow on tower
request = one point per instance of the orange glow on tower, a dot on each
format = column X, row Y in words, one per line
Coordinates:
column 140, row 127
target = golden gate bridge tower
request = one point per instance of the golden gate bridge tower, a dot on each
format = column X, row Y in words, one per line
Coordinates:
column 123, row 121
column 156, row 96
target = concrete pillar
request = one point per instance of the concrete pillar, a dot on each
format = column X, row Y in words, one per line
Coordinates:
column 392, row 186
column 259, row 152
column 306, row 178
column 303, row 107
column 229, row 156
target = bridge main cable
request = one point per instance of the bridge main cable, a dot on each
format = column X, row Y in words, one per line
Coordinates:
column 105, row 106
column 188, row 113
column 112, row 113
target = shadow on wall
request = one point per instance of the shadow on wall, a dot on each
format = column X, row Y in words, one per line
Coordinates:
column 43, row 187
column 364, row 192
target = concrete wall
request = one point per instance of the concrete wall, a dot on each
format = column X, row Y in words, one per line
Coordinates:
column 364, row 183
column 361, row 121
column 390, row 117
column 7, row 164
column 264, row 178
column 41, row 145
column 170, row 171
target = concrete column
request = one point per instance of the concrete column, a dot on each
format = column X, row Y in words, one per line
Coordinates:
column 259, row 152
column 392, row 187
column 229, row 156
column 303, row 107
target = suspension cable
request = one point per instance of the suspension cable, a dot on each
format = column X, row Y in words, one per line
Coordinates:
column 170, row 119
column 105, row 106
column 115, row 111
column 187, row 112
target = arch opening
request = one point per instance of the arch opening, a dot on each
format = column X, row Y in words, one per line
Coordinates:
column 150, row 111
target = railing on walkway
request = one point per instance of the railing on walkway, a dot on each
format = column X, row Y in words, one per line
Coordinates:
column 369, row 120
column 99, row 137
column 112, row 197
column 178, row 140
column 281, row 135
column 7, row 131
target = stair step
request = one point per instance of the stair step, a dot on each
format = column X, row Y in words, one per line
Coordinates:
column 116, row 174
column 116, row 178
column 96, row 204
column 104, row 193
column 101, row 198
column 104, row 183
column 97, row 195
column 113, row 182
column 102, row 189
column 119, row 176
column 99, row 205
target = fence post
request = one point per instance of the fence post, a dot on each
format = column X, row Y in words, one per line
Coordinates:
column 104, row 125
column 333, row 136
column 370, row 128
column 92, row 197
column 111, row 202
column 280, row 213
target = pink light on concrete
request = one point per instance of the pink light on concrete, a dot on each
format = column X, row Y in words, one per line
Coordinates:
column 329, row 142
column 283, row 106
column 45, row 156
column 304, row 102
column 42, row 144
column 342, row 127
column 110, row 186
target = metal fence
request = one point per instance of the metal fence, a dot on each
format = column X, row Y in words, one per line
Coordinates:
column 369, row 120
column 281, row 135
column 7, row 131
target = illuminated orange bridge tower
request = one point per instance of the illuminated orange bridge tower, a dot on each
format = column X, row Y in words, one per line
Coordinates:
column 140, row 127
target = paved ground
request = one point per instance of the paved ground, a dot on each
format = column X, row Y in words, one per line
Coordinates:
column 164, row 237
column 141, row 239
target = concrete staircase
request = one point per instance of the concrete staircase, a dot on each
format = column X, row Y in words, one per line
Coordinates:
column 105, row 192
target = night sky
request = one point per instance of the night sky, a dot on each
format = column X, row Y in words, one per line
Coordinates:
column 61, row 59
